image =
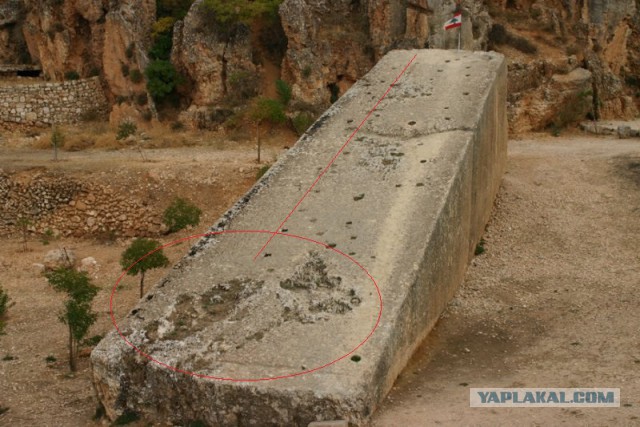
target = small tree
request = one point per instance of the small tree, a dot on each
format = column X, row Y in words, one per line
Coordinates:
column 266, row 110
column 57, row 140
column 24, row 224
column 180, row 214
column 77, row 313
column 140, row 248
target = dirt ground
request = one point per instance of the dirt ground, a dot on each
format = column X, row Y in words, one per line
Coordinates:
column 553, row 302
column 36, row 392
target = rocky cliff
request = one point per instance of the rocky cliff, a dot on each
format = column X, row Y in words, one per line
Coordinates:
column 87, row 37
column 561, row 53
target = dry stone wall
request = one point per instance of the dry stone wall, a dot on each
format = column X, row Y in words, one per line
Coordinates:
column 69, row 207
column 48, row 103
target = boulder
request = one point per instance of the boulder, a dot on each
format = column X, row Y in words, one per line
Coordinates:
column 56, row 258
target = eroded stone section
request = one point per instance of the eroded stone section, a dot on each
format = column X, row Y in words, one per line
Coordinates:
column 311, row 294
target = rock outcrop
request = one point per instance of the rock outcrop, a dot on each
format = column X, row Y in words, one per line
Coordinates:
column 87, row 37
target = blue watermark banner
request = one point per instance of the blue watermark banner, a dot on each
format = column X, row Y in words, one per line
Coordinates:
column 544, row 397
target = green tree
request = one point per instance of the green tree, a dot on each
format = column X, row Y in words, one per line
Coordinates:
column 180, row 214
column 57, row 140
column 266, row 110
column 140, row 248
column 284, row 91
column 23, row 224
column 77, row 313
column 162, row 79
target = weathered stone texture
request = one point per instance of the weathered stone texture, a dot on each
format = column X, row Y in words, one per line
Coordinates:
column 48, row 103
column 408, row 199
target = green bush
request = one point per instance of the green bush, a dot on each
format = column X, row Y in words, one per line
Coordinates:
column 136, row 76
column 301, row 122
column 180, row 214
column 125, row 129
column 141, row 99
column 4, row 306
column 284, row 91
column 71, row 75
column 306, row 72
column 173, row 8
column 129, row 51
column 162, row 79
column 262, row 171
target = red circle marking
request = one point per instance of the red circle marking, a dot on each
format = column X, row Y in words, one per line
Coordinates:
column 195, row 374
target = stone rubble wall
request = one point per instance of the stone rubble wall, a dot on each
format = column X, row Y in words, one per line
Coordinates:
column 68, row 207
column 49, row 103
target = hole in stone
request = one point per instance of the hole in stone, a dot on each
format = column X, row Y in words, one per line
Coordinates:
column 319, row 233
column 423, row 161
column 267, row 255
column 447, row 60
column 411, row 123
column 468, row 67
column 313, row 220
column 447, row 118
column 428, row 94
column 439, row 71
column 398, row 185
column 270, row 270
column 377, row 115
column 149, row 297
column 349, row 222
column 358, row 197
column 356, row 358
column 465, row 93
column 331, row 245
column 352, row 253
column 284, row 230
column 373, row 257
column 467, row 75
column 354, row 237
column 446, row 108
column 346, row 152
column 420, row 184
column 350, row 121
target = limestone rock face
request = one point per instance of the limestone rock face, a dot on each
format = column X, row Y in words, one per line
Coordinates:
column 597, row 36
column 12, row 43
column 209, row 58
column 89, row 37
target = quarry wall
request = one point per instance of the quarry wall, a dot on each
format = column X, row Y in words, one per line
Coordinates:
column 48, row 103
column 318, row 325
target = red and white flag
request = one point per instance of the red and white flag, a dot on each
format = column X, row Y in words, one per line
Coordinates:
column 454, row 22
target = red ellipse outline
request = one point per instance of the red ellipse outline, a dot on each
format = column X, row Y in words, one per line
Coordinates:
column 279, row 377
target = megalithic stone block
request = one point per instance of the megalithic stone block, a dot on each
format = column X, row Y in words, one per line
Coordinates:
column 395, row 221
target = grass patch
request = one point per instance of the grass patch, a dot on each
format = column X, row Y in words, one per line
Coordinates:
column 480, row 249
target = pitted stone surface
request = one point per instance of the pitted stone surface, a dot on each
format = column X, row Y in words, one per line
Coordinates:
column 407, row 199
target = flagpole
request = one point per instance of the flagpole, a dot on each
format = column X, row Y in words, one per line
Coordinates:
column 459, row 31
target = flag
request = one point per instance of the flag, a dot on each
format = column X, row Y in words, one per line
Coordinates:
column 454, row 22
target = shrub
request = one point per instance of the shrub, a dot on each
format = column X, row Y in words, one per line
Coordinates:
column 71, row 75
column 284, row 91
column 125, row 129
column 120, row 99
column 498, row 34
column 141, row 99
column 57, row 141
column 94, row 71
column 129, row 51
column 91, row 115
column 147, row 115
column 4, row 306
column 153, row 258
column 125, row 70
column 306, row 72
column 228, row 13
column 175, row 8
column 301, row 122
column 180, row 214
column 522, row 44
column 480, row 249
column 136, row 76
column 177, row 126
column 162, row 79
column 262, row 171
